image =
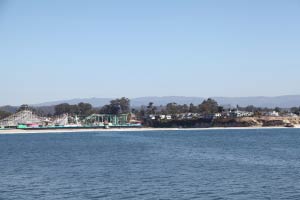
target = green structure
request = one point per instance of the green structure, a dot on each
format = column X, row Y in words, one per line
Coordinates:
column 21, row 126
column 106, row 119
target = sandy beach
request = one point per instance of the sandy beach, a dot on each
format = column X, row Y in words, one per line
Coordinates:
column 21, row 131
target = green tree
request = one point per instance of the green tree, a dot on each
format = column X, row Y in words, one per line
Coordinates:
column 277, row 109
column 74, row 110
column 209, row 106
column 23, row 107
column 62, row 109
column 117, row 106
column 193, row 108
column 295, row 110
column 172, row 108
column 106, row 109
column 84, row 109
column 221, row 109
column 124, row 105
column 4, row 114
column 184, row 108
column 250, row 108
column 151, row 109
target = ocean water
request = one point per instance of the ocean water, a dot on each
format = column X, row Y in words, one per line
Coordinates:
column 210, row 164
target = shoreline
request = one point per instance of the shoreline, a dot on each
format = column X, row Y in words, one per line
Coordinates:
column 21, row 131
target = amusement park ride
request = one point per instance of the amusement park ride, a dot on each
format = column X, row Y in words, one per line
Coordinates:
column 26, row 119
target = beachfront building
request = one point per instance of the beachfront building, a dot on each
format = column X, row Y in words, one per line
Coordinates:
column 239, row 113
column 153, row 117
column 160, row 117
column 272, row 114
column 168, row 117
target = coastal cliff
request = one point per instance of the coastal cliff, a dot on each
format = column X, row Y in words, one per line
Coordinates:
column 257, row 122
column 230, row 122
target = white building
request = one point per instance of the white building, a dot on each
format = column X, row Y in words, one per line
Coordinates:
column 238, row 113
column 273, row 114
column 168, row 117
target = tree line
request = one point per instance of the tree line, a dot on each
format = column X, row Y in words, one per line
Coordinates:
column 208, row 106
column 122, row 106
column 116, row 106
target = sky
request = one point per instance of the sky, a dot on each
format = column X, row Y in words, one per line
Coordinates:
column 64, row 49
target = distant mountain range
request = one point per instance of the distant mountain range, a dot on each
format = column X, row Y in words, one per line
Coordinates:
column 271, row 102
column 95, row 102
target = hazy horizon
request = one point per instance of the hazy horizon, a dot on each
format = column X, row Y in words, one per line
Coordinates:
column 57, row 50
column 179, row 98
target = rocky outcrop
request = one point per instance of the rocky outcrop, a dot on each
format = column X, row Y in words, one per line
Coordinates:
column 237, row 122
column 257, row 122
column 228, row 122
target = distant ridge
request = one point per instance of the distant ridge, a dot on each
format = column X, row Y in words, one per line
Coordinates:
column 286, row 101
column 96, row 102
column 259, row 101
column 165, row 100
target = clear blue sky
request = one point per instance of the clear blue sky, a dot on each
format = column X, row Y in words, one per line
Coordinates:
column 60, row 49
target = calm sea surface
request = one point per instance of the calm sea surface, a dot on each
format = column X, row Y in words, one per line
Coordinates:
column 212, row 164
